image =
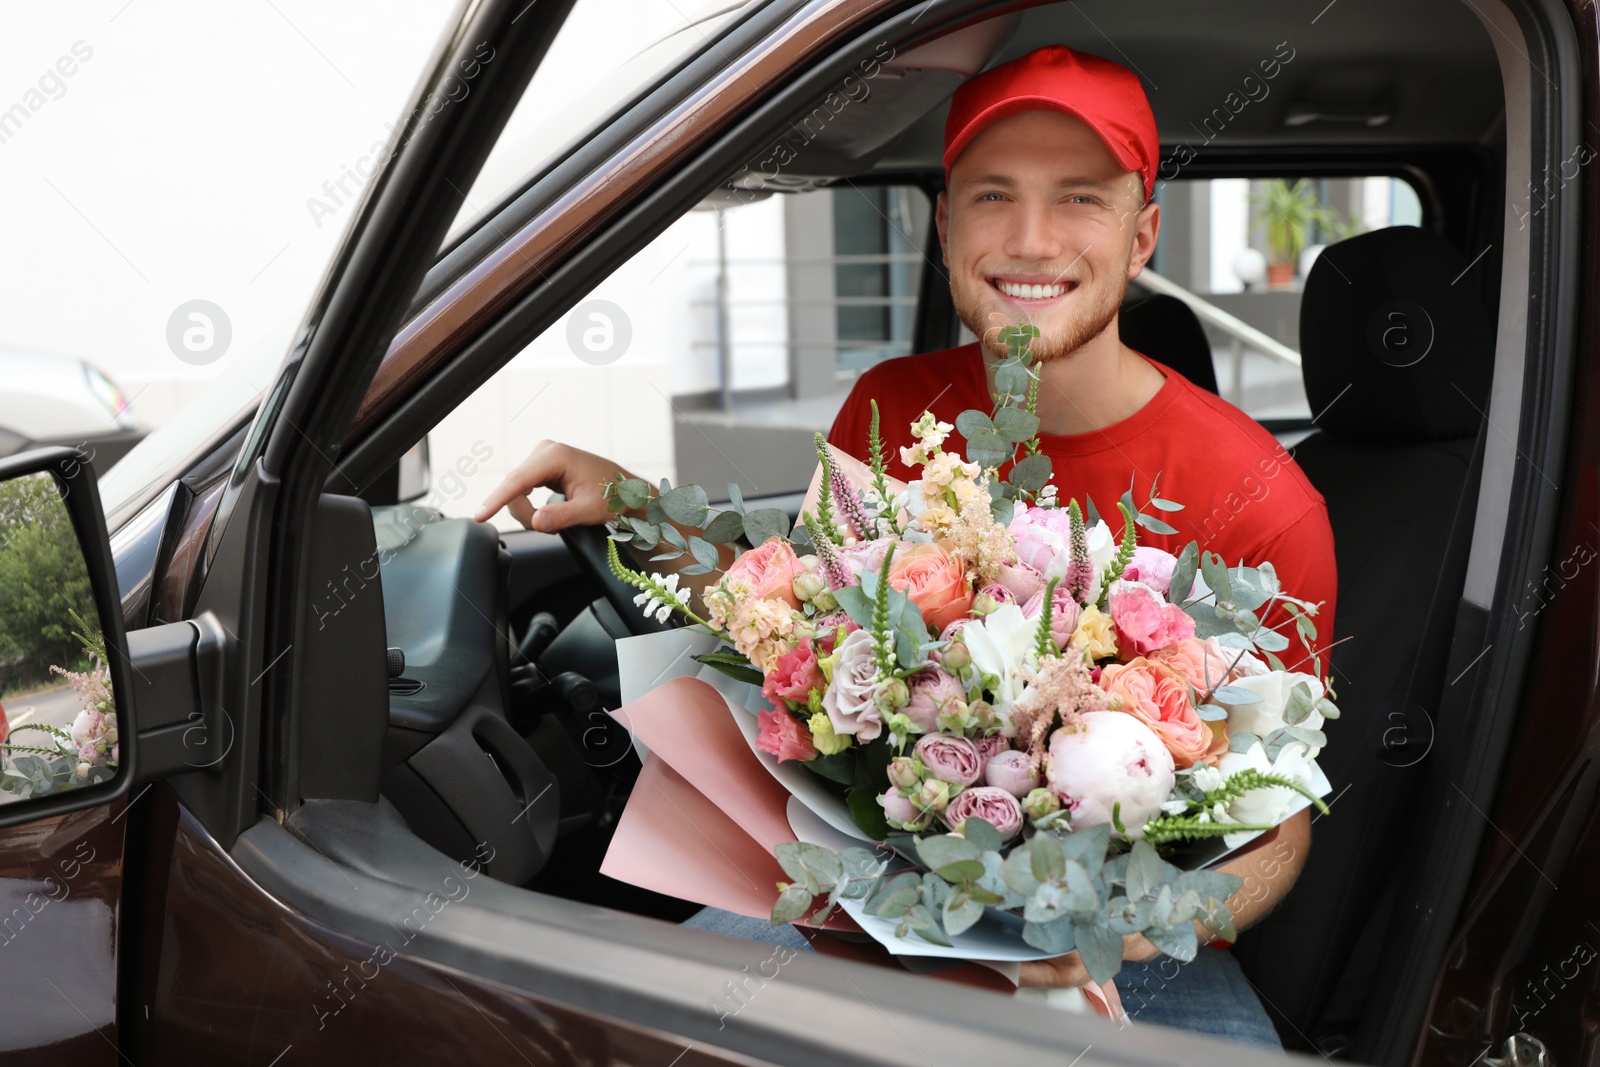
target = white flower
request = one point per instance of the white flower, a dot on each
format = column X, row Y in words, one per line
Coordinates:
column 1268, row 806
column 652, row 602
column 1207, row 778
column 1102, row 550
column 999, row 644
column 1266, row 715
column 1113, row 759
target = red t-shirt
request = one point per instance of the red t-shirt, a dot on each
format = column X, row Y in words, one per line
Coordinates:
column 1243, row 496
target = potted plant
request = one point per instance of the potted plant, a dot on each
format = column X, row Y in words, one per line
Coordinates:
column 1290, row 211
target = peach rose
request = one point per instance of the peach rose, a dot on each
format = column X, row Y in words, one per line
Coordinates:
column 935, row 581
column 1156, row 696
column 1204, row 663
column 769, row 570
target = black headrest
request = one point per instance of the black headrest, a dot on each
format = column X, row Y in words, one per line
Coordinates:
column 1168, row 331
column 1390, row 317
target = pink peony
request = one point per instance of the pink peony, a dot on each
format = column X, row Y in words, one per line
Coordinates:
column 931, row 690
column 783, row 736
column 1011, row 771
column 868, row 555
column 949, row 759
column 900, row 809
column 998, row 593
column 769, row 570
column 1157, row 697
column 991, row 745
column 794, row 674
column 1153, row 567
column 1111, row 759
column 1146, row 623
column 995, row 806
column 1043, row 539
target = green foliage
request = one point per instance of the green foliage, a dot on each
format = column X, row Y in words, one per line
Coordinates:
column 44, row 584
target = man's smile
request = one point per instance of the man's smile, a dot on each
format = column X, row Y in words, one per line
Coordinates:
column 1032, row 290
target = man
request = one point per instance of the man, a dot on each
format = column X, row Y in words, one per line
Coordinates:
column 1050, row 163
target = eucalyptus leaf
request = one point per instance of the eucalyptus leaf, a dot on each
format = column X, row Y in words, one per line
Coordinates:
column 1165, row 505
column 1144, row 871
column 926, row 926
column 634, row 493
column 704, row 552
column 736, row 497
column 1215, row 573
column 1011, row 379
column 1236, row 694
column 940, row 850
column 792, row 905
column 935, row 891
column 1087, row 847
column 1183, row 573
column 1212, row 712
column 725, row 528
column 988, row 449
column 1178, row 941
column 982, row 834
column 1241, row 741
column 763, row 524
column 1154, row 525
column 1017, row 870
column 1053, row 937
column 1100, row 949
column 686, row 505
column 961, row 912
column 1048, row 862
column 1016, row 424
column 674, row 537
column 972, row 421
column 1031, row 473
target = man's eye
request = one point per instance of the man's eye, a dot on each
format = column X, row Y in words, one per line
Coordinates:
column 990, row 197
column 1080, row 198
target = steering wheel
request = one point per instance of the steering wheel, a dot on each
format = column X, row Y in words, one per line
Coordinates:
column 588, row 546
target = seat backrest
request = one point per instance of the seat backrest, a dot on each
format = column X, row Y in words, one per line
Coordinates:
column 1397, row 362
column 1168, row 331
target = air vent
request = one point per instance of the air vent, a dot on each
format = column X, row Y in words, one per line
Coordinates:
column 405, row 686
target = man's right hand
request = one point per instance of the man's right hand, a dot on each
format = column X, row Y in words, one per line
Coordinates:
column 572, row 472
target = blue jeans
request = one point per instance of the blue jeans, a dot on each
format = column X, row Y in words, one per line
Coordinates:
column 1209, row 995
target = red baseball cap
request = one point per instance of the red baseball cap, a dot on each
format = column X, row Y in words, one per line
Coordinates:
column 1107, row 97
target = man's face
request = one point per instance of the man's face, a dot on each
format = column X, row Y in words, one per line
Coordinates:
column 1042, row 225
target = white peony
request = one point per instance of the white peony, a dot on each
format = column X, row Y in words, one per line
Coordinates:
column 1114, row 759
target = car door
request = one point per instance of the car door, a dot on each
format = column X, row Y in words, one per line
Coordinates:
column 289, row 913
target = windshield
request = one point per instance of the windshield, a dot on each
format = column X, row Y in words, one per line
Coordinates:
column 251, row 236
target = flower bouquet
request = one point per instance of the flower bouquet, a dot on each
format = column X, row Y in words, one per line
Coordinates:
column 1053, row 729
column 84, row 754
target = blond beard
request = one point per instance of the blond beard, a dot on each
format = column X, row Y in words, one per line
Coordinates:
column 1046, row 348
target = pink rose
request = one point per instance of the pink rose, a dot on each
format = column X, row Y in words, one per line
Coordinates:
column 1022, row 580
column 1153, row 567
column 1157, row 697
column 931, row 690
column 783, row 736
column 995, row 806
column 949, row 759
column 827, row 626
column 794, row 675
column 991, row 745
column 769, row 570
column 1064, row 614
column 998, row 593
column 1012, row 771
column 851, row 699
column 935, row 582
column 1144, row 621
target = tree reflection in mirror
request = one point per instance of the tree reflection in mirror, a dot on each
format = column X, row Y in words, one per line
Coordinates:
column 58, row 720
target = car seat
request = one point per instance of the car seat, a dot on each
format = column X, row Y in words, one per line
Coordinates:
column 1397, row 366
column 1168, row 331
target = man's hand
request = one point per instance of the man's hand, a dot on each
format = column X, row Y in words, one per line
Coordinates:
column 572, row 472
column 1066, row 972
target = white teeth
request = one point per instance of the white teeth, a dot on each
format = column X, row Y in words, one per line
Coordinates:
column 1031, row 292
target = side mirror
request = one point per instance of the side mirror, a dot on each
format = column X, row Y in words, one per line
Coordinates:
column 65, row 734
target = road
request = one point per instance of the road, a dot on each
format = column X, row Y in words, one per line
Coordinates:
column 51, row 707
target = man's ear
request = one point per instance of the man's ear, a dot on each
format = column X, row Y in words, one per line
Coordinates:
column 941, row 222
column 1146, row 230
